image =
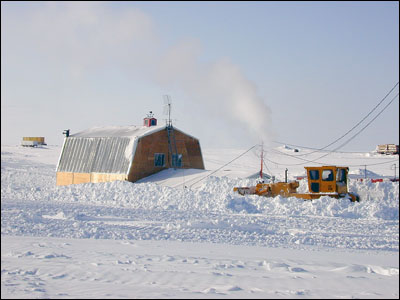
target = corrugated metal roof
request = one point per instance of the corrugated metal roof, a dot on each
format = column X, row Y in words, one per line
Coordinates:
column 98, row 155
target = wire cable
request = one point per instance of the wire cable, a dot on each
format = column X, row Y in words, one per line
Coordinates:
column 310, row 148
column 362, row 129
column 380, row 102
column 345, row 143
column 223, row 165
column 311, row 161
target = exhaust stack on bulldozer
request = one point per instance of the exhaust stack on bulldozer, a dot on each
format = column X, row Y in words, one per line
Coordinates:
column 322, row 181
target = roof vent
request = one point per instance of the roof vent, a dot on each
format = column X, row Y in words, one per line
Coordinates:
column 150, row 120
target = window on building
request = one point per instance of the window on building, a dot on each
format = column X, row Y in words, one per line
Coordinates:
column 176, row 160
column 159, row 159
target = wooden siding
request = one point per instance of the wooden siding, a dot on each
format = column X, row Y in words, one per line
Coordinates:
column 39, row 139
column 66, row 178
column 81, row 178
column 143, row 163
column 102, row 177
column 190, row 148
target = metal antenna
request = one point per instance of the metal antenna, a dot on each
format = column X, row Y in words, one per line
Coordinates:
column 173, row 158
column 167, row 109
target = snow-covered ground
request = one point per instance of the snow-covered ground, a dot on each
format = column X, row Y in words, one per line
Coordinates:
column 186, row 234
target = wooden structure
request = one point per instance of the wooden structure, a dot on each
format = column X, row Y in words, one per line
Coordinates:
column 33, row 141
column 125, row 153
column 389, row 149
column 150, row 120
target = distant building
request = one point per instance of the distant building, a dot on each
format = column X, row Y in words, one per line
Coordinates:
column 129, row 153
column 32, row 141
column 388, row 149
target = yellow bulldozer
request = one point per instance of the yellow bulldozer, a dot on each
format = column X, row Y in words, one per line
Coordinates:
column 322, row 181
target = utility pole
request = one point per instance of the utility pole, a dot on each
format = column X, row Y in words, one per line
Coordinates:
column 262, row 160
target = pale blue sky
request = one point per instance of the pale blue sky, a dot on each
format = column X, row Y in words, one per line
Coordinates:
column 237, row 72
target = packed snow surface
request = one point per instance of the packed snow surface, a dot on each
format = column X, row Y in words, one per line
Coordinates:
column 186, row 234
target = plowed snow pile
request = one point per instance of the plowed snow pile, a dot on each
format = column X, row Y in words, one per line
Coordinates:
column 167, row 208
